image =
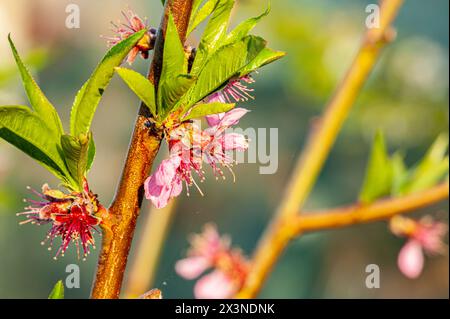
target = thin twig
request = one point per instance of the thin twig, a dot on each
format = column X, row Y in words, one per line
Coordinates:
column 321, row 140
column 361, row 214
column 119, row 229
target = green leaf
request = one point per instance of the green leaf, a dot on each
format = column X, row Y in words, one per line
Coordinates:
column 400, row 173
column 57, row 291
column 76, row 151
column 214, row 34
column 38, row 100
column 378, row 179
column 205, row 109
column 91, row 93
column 141, row 86
column 431, row 169
column 198, row 16
column 244, row 28
column 28, row 132
column 174, row 81
column 91, row 154
column 172, row 91
column 224, row 65
column 264, row 57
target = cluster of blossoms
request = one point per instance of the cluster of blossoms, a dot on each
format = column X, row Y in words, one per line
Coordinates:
column 124, row 30
column 190, row 147
column 210, row 251
column 425, row 235
column 73, row 217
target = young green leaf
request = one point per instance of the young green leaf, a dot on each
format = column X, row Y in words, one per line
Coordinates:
column 76, row 152
column 28, row 132
column 244, row 28
column 198, row 16
column 431, row 169
column 222, row 66
column 214, row 34
column 57, row 291
column 400, row 173
column 205, row 109
column 91, row 93
column 141, row 86
column 91, row 154
column 264, row 57
column 174, row 80
column 39, row 102
column 172, row 91
column 378, row 179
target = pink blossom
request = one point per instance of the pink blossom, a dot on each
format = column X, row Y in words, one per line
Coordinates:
column 73, row 217
column 165, row 183
column 234, row 141
column 234, row 91
column 189, row 147
column 124, row 30
column 209, row 250
column 424, row 235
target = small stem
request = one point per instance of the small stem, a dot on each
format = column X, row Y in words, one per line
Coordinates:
column 321, row 140
column 119, row 229
column 145, row 264
column 360, row 214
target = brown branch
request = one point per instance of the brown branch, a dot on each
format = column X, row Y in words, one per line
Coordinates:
column 318, row 148
column 145, row 142
column 360, row 214
column 142, row 272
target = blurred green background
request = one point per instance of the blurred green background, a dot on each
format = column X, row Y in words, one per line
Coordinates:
column 407, row 97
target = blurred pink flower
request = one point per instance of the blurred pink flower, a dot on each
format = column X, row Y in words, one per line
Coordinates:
column 210, row 251
column 424, row 235
column 124, row 30
column 215, row 285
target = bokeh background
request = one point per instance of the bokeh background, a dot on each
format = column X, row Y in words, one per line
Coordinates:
column 407, row 97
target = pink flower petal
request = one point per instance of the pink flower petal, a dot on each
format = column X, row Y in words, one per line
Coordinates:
column 232, row 117
column 132, row 55
column 234, row 141
column 215, row 285
column 430, row 235
column 164, row 184
column 411, row 259
column 214, row 119
column 192, row 267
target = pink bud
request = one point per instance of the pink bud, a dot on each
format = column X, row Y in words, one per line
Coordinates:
column 411, row 259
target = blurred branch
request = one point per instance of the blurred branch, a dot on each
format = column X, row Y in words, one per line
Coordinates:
column 144, row 146
column 152, row 294
column 321, row 140
column 143, row 270
column 360, row 214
